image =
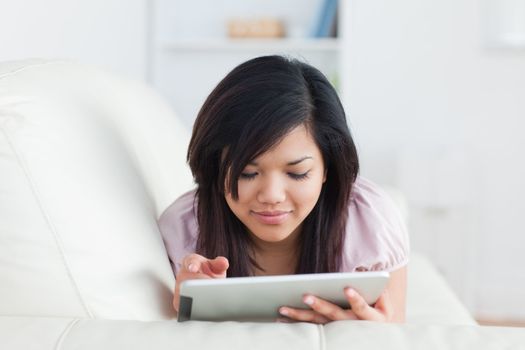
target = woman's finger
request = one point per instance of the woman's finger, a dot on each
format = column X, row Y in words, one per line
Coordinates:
column 361, row 308
column 193, row 262
column 327, row 309
column 384, row 305
column 216, row 267
column 303, row 315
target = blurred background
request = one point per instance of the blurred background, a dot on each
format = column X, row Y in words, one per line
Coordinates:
column 434, row 91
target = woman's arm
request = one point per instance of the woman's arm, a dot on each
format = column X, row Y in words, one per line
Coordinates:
column 397, row 289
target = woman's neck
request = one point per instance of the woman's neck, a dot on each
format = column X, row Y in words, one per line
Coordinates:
column 277, row 258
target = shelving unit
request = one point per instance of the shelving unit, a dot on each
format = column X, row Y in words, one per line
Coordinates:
column 235, row 45
column 190, row 51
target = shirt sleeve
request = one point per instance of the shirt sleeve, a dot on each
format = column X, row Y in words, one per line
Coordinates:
column 179, row 229
column 376, row 235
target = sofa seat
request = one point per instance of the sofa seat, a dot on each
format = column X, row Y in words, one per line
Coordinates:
column 26, row 333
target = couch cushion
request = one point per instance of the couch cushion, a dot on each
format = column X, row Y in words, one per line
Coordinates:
column 88, row 161
column 380, row 336
column 429, row 297
column 25, row 333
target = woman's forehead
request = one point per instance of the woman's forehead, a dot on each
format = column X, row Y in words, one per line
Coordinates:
column 296, row 146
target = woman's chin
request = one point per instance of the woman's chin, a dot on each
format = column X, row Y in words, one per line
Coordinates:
column 272, row 234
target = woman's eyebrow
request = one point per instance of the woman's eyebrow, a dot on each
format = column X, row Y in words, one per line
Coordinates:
column 293, row 162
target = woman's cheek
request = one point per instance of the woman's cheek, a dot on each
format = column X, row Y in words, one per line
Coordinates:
column 309, row 190
column 247, row 191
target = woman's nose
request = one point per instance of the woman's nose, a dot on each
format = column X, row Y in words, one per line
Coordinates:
column 272, row 191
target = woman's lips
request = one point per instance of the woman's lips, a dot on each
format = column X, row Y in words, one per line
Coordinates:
column 271, row 217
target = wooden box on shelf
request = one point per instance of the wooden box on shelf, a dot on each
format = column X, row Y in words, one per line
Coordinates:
column 255, row 28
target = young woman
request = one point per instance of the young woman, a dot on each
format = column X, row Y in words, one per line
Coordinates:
column 278, row 192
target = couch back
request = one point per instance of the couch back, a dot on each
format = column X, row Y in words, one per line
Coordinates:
column 88, row 161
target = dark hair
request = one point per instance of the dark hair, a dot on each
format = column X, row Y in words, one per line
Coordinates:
column 250, row 111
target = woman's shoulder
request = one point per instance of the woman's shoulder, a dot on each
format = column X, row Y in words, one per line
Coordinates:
column 183, row 209
column 179, row 227
column 376, row 235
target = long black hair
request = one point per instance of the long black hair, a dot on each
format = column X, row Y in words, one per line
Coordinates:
column 249, row 111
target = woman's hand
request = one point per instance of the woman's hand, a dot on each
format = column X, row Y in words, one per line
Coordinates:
column 323, row 311
column 390, row 307
column 195, row 266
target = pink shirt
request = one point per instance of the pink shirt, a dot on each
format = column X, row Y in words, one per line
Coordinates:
column 376, row 237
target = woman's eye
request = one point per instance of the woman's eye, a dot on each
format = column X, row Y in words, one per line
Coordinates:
column 248, row 176
column 296, row 176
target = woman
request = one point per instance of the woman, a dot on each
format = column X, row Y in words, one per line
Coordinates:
column 278, row 192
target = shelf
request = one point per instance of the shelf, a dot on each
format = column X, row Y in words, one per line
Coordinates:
column 227, row 45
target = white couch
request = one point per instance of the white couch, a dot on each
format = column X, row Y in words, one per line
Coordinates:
column 88, row 161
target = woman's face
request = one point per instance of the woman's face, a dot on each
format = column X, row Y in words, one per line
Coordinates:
column 278, row 189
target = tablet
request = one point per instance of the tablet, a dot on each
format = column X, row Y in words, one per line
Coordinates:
column 259, row 298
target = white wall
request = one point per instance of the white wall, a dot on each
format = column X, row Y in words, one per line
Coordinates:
column 442, row 116
column 433, row 111
column 111, row 33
